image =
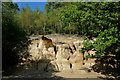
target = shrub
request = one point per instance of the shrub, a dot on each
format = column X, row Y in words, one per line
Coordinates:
column 107, row 42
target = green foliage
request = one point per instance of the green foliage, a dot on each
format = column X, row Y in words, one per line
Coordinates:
column 106, row 39
column 87, row 19
column 88, row 45
column 107, row 42
column 90, row 18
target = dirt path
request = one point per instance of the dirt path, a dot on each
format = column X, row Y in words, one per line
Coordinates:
column 78, row 74
column 57, row 75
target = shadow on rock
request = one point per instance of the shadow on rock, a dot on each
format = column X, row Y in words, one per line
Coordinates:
column 41, row 69
column 109, row 66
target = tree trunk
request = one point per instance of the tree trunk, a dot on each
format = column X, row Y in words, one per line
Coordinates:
column 44, row 28
column 69, row 28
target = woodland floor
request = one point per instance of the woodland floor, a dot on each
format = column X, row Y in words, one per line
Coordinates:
column 62, row 75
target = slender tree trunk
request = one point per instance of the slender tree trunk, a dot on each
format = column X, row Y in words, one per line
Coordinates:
column 60, row 26
column 69, row 28
column 44, row 28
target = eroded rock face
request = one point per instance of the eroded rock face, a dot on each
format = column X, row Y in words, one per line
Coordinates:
column 62, row 54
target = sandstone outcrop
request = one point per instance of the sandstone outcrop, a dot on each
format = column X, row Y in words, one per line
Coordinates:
column 61, row 54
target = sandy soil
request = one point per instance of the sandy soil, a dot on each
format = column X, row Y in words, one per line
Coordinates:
column 78, row 74
column 57, row 75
